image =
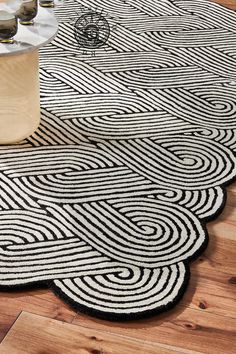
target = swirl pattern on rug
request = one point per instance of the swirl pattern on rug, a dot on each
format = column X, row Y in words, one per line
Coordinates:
column 107, row 202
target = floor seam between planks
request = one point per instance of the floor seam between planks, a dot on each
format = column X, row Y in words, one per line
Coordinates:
column 9, row 329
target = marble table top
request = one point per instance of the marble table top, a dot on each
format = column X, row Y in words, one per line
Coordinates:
column 29, row 38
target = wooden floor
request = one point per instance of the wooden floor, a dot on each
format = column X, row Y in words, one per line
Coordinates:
column 203, row 322
column 231, row 4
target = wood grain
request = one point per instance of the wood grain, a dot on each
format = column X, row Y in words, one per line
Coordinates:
column 231, row 4
column 182, row 328
column 41, row 302
column 212, row 292
column 54, row 337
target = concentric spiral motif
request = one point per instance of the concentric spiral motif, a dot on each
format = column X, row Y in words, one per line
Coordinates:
column 107, row 202
column 92, row 30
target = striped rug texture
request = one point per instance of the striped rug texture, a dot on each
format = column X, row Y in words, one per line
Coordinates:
column 107, row 203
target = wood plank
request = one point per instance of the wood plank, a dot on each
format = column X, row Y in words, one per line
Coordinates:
column 42, row 335
column 232, row 186
column 228, row 215
column 181, row 328
column 212, row 292
column 12, row 303
column 222, row 229
column 231, row 198
column 231, row 4
column 220, row 254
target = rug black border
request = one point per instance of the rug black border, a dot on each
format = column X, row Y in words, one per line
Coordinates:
column 79, row 308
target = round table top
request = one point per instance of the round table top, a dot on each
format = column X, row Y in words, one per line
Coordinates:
column 29, row 38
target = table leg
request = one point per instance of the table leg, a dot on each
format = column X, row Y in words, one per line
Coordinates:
column 19, row 97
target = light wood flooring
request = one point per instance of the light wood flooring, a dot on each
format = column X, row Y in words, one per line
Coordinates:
column 36, row 322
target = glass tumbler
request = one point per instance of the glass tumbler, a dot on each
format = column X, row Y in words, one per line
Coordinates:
column 27, row 12
column 8, row 27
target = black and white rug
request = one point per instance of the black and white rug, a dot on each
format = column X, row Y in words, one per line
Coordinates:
column 107, row 202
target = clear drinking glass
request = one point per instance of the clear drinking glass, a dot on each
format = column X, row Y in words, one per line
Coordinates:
column 27, row 12
column 8, row 27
